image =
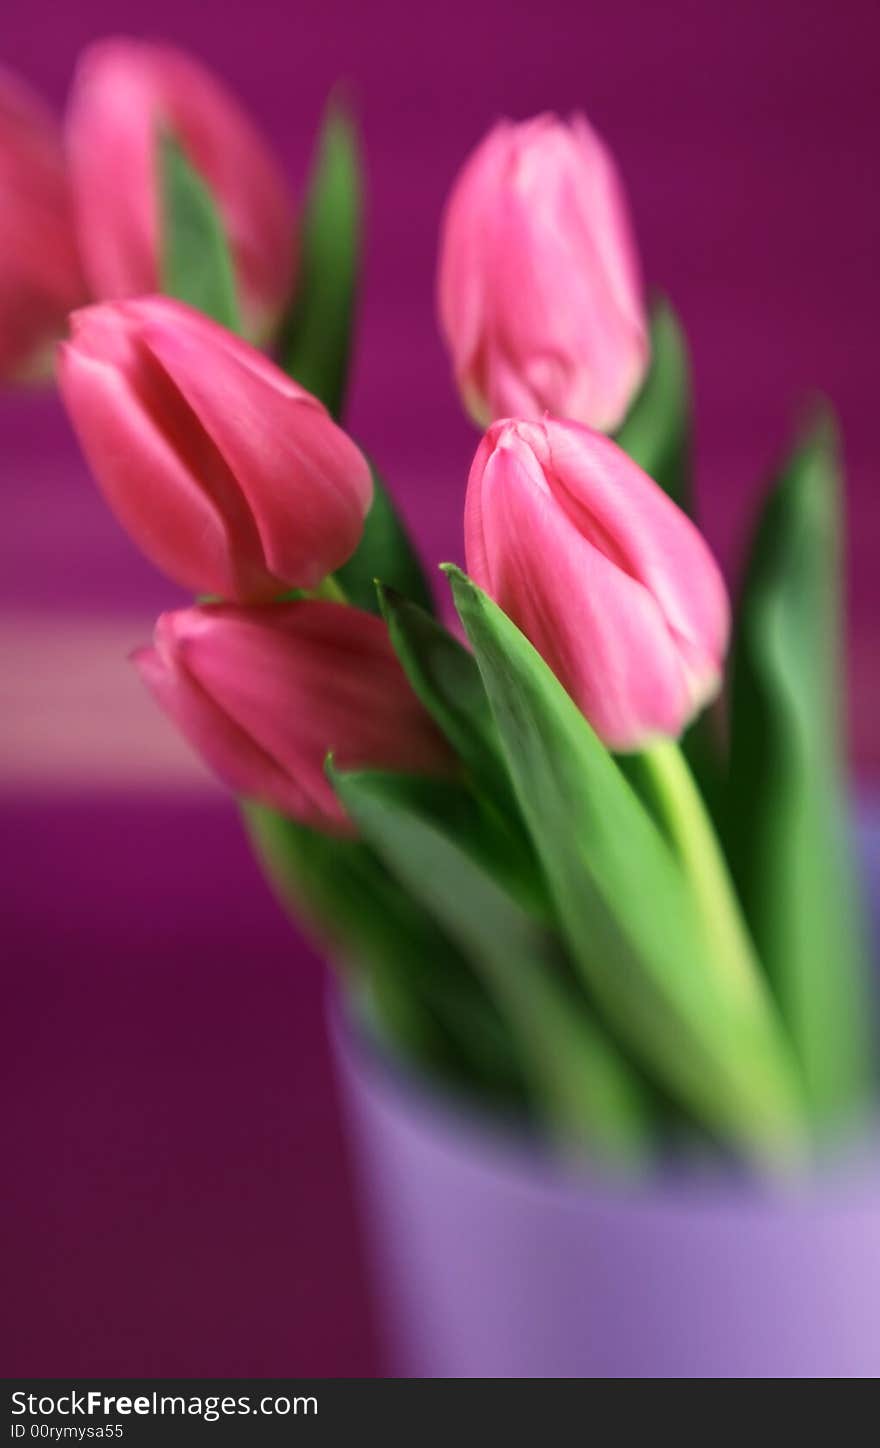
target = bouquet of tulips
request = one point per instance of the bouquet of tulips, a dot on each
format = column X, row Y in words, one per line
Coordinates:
column 559, row 868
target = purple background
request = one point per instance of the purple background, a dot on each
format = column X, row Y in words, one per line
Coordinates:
column 177, row 1200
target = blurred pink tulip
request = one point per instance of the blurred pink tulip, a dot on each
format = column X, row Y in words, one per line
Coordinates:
column 126, row 92
column 264, row 694
column 40, row 276
column 231, row 478
column 610, row 581
column 539, row 292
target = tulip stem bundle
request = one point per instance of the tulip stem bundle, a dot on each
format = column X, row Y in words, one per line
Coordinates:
column 501, row 838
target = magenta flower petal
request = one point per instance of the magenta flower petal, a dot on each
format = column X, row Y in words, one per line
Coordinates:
column 609, row 580
column 264, row 694
column 229, row 476
column 40, row 275
column 539, row 291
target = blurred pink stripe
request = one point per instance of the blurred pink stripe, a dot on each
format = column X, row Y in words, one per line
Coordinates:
column 74, row 716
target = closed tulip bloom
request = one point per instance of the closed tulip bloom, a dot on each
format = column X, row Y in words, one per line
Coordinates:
column 610, row 581
column 125, row 94
column 231, row 478
column 40, row 275
column 264, row 694
column 539, row 292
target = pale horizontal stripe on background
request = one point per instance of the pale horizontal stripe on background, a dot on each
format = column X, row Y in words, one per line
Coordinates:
column 74, row 715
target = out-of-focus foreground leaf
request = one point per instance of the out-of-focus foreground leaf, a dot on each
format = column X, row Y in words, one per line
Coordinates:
column 790, row 837
column 417, row 985
column 583, row 1088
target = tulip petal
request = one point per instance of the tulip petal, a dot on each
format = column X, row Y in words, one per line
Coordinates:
column 306, row 483
column 232, row 478
column 233, row 756
column 598, row 628
column 580, row 346
column 147, row 482
column 538, row 285
column 609, row 498
column 462, row 265
column 110, row 133
column 266, row 693
column 40, row 275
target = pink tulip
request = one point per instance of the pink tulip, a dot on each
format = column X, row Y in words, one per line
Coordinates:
column 231, row 478
column 610, row 581
column 40, row 276
column 264, row 694
column 539, row 291
column 126, row 92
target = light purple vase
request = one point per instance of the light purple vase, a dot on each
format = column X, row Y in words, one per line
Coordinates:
column 489, row 1261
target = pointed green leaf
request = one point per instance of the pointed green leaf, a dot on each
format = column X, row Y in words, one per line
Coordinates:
column 386, row 553
column 790, row 838
column 445, row 676
column 581, row 1085
column 316, row 342
column 624, row 907
column 656, row 432
column 196, row 263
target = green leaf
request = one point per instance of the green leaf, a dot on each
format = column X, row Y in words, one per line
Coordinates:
column 386, row 553
column 196, row 263
column 582, row 1087
column 419, row 987
column 656, row 432
column 316, row 342
column 712, row 1043
column 445, row 676
column 789, row 833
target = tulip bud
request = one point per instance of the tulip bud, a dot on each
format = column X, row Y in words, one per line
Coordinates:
column 40, row 276
column 539, row 292
column 125, row 95
column 610, row 581
column 231, row 478
column 264, row 694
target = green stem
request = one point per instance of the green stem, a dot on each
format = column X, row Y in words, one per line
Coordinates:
column 681, row 812
column 685, row 819
column 330, row 589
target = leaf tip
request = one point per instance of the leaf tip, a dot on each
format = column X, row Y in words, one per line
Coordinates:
column 463, row 587
column 391, row 601
column 456, row 575
column 819, row 427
